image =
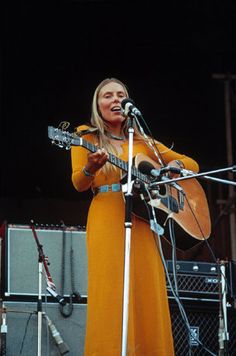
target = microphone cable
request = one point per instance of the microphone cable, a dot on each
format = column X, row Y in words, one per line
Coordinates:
column 174, row 290
column 178, row 301
column 69, row 307
column 155, row 149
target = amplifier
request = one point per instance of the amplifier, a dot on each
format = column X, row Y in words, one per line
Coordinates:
column 64, row 251
column 22, row 329
column 231, row 278
column 197, row 280
column 204, row 323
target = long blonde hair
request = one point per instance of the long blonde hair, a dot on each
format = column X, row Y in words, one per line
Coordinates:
column 98, row 122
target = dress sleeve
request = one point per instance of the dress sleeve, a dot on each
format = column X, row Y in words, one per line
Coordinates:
column 80, row 181
column 169, row 155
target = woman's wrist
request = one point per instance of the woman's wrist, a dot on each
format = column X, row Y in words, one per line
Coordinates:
column 87, row 173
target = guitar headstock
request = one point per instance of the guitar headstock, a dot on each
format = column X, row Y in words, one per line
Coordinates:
column 62, row 138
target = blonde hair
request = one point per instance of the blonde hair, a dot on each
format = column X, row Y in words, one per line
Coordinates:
column 98, row 122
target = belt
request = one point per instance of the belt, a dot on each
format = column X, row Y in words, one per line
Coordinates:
column 116, row 187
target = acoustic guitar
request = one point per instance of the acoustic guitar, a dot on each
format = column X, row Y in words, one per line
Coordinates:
column 186, row 204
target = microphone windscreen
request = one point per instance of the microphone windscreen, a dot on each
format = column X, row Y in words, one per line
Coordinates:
column 145, row 167
column 126, row 101
column 175, row 170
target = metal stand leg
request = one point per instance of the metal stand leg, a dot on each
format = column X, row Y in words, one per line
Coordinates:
column 223, row 327
column 39, row 309
column 128, row 225
column 3, row 334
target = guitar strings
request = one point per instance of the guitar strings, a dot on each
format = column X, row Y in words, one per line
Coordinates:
column 208, row 245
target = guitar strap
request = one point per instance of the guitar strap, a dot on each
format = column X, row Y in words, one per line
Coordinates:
column 151, row 143
column 87, row 131
column 63, row 126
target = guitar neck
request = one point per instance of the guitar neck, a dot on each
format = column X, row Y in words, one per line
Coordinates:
column 116, row 161
column 65, row 139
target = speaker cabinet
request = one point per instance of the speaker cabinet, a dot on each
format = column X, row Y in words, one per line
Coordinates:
column 23, row 332
column 21, row 283
column 65, row 251
column 203, row 318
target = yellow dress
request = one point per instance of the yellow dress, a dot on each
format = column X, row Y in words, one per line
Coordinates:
column 149, row 326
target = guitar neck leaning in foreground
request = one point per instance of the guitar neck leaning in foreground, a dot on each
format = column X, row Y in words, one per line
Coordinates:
column 192, row 217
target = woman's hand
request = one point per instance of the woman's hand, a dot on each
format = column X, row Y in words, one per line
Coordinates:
column 96, row 160
column 175, row 164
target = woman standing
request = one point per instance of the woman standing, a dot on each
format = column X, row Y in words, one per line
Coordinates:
column 149, row 324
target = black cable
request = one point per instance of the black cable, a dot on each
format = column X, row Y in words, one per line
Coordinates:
column 207, row 243
column 175, row 291
column 66, row 310
column 26, row 327
column 180, row 305
column 173, row 246
column 151, row 215
column 200, row 229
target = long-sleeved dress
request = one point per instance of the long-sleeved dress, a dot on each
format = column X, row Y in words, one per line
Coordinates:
column 149, row 325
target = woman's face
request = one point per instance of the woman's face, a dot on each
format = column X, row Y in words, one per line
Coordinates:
column 109, row 103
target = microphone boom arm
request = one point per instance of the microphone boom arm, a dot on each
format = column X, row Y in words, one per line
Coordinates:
column 196, row 175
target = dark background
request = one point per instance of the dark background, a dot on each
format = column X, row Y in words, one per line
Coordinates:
column 53, row 56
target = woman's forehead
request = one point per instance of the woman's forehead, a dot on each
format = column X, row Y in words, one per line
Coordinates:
column 112, row 87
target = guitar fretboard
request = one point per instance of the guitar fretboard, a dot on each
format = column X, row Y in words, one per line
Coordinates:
column 66, row 139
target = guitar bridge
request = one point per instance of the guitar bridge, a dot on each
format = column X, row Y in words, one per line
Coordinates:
column 181, row 196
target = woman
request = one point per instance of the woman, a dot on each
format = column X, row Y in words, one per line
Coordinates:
column 149, row 325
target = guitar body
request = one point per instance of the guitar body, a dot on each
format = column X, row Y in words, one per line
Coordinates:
column 194, row 217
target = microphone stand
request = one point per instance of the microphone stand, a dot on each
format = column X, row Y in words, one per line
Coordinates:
column 189, row 175
column 223, row 335
column 196, row 175
column 51, row 287
column 128, row 226
column 3, row 329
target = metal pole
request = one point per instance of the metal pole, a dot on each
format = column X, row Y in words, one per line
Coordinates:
column 3, row 329
column 128, row 227
column 223, row 323
column 39, row 309
column 227, row 78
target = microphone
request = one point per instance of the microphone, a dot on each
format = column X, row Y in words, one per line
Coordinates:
column 129, row 108
column 62, row 346
column 147, row 168
column 59, row 298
